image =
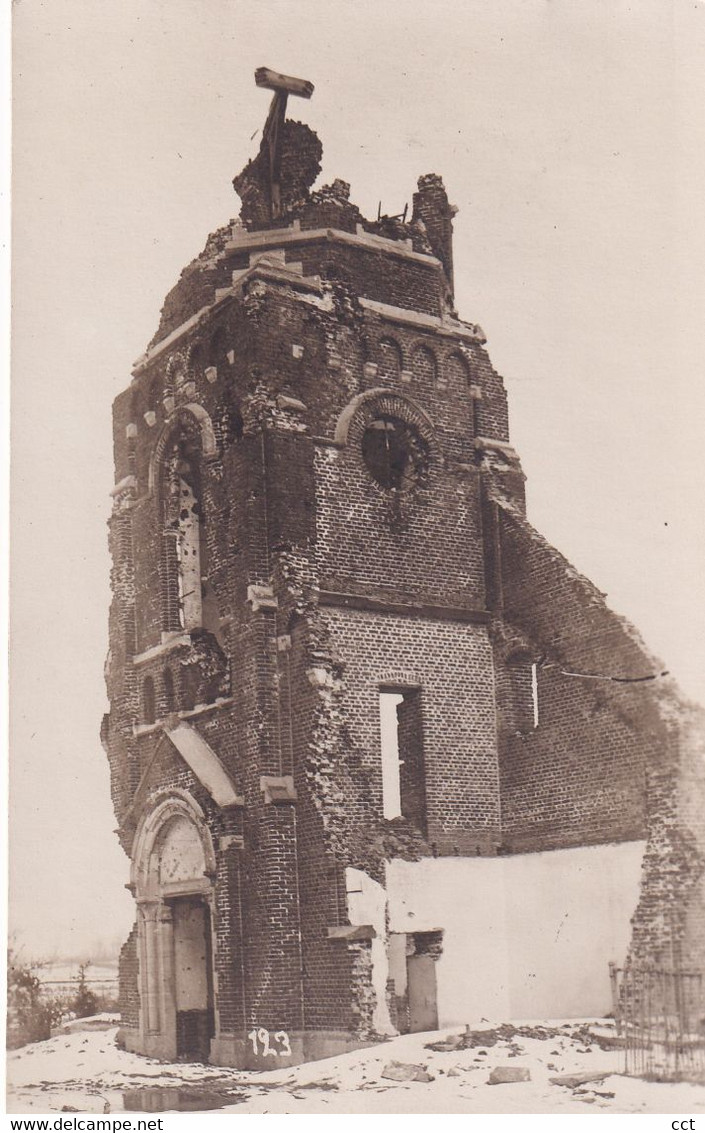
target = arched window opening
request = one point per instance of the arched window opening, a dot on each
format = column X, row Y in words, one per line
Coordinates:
column 210, row 617
column 168, row 690
column 458, row 375
column 185, row 544
column 423, row 366
column 188, row 554
column 134, row 407
column 195, row 360
column 523, row 689
column 190, row 679
column 389, row 366
column 149, row 708
column 229, row 425
column 179, row 376
column 237, row 424
column 457, row 371
column 168, row 393
column 218, row 348
column 154, row 394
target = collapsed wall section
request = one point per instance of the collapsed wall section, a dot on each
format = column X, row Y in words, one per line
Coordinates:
column 579, row 776
column 669, row 921
column 623, row 751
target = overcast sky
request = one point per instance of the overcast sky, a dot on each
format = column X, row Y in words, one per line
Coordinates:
column 570, row 135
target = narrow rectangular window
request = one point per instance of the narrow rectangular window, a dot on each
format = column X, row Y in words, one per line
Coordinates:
column 523, row 694
column 389, row 726
column 403, row 772
column 535, row 693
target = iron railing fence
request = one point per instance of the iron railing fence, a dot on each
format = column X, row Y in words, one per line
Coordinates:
column 660, row 1019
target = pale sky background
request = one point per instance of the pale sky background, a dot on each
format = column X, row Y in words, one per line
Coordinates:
column 569, row 134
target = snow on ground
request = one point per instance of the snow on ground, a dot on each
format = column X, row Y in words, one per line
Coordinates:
column 87, row 1072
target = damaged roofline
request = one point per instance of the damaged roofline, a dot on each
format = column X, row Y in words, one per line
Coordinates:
column 385, row 310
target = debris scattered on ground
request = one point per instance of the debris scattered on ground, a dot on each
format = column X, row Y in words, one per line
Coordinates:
column 453, row 1042
column 87, row 1071
column 584, row 1033
column 324, row 1084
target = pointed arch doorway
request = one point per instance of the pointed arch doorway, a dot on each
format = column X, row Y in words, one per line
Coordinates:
column 173, row 872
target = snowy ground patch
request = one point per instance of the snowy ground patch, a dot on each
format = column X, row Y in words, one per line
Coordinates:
column 86, row 1072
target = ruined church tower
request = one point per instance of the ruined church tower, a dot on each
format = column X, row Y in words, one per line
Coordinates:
column 380, row 758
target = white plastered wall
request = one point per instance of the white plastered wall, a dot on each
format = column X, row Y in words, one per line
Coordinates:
column 524, row 937
column 367, row 906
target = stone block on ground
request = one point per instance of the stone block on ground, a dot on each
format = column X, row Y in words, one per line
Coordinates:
column 451, row 1042
column 505, row 1074
column 406, row 1072
column 573, row 1080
